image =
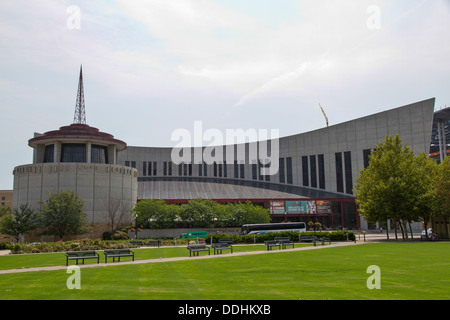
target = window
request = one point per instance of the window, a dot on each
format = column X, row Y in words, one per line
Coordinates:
column 144, row 168
column 236, row 170
column 305, row 171
column 289, row 170
column 99, row 154
column 282, row 171
column 49, row 153
column 73, row 152
column 339, row 172
column 165, row 168
column 348, row 172
column 200, row 170
column 366, row 155
column 154, row 169
column 242, row 168
column 312, row 160
column 254, row 171
column 321, row 164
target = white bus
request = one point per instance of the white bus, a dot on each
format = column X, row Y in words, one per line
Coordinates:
column 273, row 227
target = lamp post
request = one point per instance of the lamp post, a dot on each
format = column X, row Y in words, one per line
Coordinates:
column 135, row 226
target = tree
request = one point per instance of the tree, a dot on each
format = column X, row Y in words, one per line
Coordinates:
column 62, row 214
column 443, row 188
column 392, row 186
column 426, row 176
column 19, row 221
column 116, row 214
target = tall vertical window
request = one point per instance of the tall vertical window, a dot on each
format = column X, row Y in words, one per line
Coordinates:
column 339, row 172
column 321, row 163
column 254, row 171
column 236, row 169
column 49, row 153
column 289, row 170
column 99, row 154
column 200, row 169
column 144, row 168
column 73, row 152
column 305, row 171
column 366, row 154
column 165, row 168
column 348, row 172
column 282, row 171
column 154, row 168
column 312, row 160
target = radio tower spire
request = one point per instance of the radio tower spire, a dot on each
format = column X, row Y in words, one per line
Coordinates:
column 80, row 112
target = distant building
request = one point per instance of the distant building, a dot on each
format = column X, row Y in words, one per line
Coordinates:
column 6, row 197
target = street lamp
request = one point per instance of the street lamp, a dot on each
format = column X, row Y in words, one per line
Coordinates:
column 135, row 226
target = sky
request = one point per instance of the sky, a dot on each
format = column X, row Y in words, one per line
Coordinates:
column 151, row 67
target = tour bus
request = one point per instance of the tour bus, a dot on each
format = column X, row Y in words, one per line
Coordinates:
column 273, row 227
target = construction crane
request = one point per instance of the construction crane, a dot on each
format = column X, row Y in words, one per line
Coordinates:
column 326, row 119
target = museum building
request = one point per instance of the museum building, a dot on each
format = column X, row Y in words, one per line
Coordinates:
column 313, row 178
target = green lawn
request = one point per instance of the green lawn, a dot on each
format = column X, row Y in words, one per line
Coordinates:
column 409, row 271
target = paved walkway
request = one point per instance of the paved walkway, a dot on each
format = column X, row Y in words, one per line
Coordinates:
column 95, row 265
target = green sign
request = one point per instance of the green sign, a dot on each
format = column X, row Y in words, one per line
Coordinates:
column 197, row 234
column 296, row 207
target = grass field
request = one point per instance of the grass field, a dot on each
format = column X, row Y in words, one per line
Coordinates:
column 409, row 271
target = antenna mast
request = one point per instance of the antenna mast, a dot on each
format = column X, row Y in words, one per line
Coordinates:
column 80, row 109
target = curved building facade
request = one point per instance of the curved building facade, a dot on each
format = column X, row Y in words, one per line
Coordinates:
column 318, row 166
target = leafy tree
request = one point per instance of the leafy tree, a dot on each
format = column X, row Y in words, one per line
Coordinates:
column 62, row 214
column 395, row 185
column 425, row 206
column 155, row 214
column 443, row 188
column 19, row 221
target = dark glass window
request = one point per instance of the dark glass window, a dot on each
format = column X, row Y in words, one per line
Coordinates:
column 99, row 154
column 49, row 153
column 236, row 170
column 289, row 170
column 73, row 152
column 348, row 172
column 200, row 170
column 321, row 164
column 242, row 168
column 339, row 172
column 282, row 171
column 312, row 160
column 144, row 168
column 254, row 171
column 305, row 171
column 154, row 168
column 366, row 154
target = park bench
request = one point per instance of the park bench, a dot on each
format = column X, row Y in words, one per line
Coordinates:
column 136, row 242
column 81, row 255
column 154, row 243
column 284, row 241
column 219, row 247
column 117, row 253
column 272, row 243
column 229, row 241
column 312, row 239
column 197, row 248
column 324, row 239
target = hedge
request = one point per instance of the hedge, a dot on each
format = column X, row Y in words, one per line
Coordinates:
column 294, row 236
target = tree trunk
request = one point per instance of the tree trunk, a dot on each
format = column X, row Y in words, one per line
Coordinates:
column 410, row 229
